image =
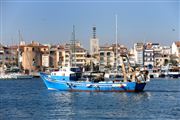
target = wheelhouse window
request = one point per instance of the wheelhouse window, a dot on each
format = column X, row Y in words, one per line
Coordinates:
column 72, row 76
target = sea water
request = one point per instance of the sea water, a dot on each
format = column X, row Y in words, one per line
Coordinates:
column 31, row 100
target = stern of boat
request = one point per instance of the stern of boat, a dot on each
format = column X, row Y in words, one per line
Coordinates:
column 140, row 87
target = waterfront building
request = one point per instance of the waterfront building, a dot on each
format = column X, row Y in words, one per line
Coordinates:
column 53, row 62
column 44, row 49
column 79, row 54
column 2, row 55
column 57, row 56
column 8, row 55
column 166, row 52
column 67, row 57
column 131, row 57
column 148, row 55
column 176, row 48
column 31, row 57
column 162, row 56
column 108, row 57
column 13, row 55
column 139, row 53
column 45, row 60
column 94, row 43
column 158, row 57
column 60, row 55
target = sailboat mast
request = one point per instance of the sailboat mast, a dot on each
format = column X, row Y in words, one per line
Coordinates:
column 74, row 39
column 116, row 44
column 121, row 58
column 19, row 49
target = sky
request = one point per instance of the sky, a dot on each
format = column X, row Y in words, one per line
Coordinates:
column 51, row 21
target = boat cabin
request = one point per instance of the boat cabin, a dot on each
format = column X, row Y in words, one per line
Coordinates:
column 67, row 74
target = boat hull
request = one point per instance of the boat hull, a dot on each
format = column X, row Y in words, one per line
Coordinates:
column 173, row 75
column 92, row 87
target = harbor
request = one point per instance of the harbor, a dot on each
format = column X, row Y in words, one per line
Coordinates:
column 89, row 60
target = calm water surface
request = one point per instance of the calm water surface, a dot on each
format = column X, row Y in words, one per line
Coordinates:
column 30, row 100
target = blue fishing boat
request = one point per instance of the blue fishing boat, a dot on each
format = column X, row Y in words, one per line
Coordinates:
column 66, row 80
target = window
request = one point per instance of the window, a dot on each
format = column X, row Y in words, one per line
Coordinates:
column 101, row 54
column 108, row 53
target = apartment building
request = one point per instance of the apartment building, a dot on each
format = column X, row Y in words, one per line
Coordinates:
column 110, row 55
column 148, row 55
column 74, row 57
column 139, row 53
column 107, row 57
column 31, row 56
column 9, row 55
column 131, row 57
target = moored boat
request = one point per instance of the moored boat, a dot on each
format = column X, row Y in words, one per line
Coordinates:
column 174, row 72
column 154, row 73
column 15, row 76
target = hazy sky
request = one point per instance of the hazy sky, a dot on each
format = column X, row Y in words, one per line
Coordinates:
column 49, row 21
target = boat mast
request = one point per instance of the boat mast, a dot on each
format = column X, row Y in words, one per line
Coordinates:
column 19, row 49
column 116, row 46
column 121, row 57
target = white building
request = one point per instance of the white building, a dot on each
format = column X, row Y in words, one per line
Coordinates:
column 45, row 60
column 131, row 57
column 149, row 57
column 139, row 53
column 176, row 48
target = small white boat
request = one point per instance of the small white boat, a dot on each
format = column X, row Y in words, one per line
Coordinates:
column 154, row 73
column 15, row 76
column 174, row 72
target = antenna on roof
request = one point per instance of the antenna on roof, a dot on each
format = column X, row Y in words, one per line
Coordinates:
column 94, row 32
